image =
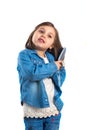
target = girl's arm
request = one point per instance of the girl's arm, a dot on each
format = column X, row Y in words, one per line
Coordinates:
column 60, row 76
column 34, row 72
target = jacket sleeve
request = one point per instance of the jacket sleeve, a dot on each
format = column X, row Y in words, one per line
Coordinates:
column 59, row 77
column 34, row 72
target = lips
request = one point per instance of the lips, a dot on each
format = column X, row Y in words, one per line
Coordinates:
column 41, row 40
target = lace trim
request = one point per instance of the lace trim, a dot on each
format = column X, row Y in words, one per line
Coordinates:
column 32, row 112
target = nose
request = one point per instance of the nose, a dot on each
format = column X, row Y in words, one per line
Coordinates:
column 43, row 35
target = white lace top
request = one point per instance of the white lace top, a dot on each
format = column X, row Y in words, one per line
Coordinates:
column 30, row 111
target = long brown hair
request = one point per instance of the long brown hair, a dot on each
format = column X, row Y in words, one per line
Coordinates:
column 57, row 44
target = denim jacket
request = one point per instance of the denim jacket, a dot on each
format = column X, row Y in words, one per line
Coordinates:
column 32, row 70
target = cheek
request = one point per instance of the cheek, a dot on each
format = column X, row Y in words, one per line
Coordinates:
column 51, row 42
column 52, row 45
column 34, row 38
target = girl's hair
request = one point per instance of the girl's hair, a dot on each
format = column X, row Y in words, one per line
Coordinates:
column 57, row 44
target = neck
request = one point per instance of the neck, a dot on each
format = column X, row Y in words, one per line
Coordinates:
column 41, row 53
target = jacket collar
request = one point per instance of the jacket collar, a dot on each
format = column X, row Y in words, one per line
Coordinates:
column 49, row 56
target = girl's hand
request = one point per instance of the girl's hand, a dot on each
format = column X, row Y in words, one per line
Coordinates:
column 59, row 64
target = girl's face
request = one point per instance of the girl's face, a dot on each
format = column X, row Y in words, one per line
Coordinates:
column 43, row 38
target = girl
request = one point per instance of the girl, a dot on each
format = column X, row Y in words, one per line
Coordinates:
column 40, row 76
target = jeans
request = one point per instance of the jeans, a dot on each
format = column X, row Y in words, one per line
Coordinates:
column 49, row 123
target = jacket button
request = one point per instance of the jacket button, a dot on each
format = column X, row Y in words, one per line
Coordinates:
column 46, row 100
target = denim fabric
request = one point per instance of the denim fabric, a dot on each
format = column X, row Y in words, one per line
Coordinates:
column 49, row 123
column 32, row 70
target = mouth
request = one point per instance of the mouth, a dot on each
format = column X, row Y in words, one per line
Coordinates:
column 41, row 40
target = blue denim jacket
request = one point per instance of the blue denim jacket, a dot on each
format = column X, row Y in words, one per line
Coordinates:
column 32, row 70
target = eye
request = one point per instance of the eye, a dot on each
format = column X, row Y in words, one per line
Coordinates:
column 49, row 36
column 41, row 31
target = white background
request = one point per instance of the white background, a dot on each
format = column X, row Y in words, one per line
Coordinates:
column 17, row 19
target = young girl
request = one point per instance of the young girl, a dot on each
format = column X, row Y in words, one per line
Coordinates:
column 41, row 75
